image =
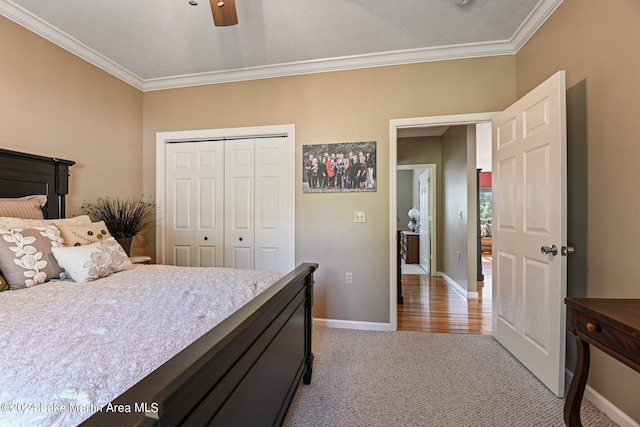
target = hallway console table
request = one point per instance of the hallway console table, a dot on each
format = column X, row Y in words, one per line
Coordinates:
column 611, row 325
column 410, row 247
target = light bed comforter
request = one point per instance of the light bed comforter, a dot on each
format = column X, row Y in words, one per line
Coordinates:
column 67, row 349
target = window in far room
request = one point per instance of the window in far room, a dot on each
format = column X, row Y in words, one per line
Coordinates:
column 485, row 200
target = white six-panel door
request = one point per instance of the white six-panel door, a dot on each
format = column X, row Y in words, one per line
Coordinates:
column 425, row 222
column 195, row 214
column 239, row 201
column 273, row 202
column 529, row 213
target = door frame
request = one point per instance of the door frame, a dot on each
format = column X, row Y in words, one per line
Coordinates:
column 430, row 219
column 432, row 202
column 163, row 138
column 394, row 125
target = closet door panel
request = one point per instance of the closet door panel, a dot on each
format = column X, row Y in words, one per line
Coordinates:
column 209, row 209
column 208, row 255
column 179, row 183
column 274, row 201
column 239, row 203
column 195, row 203
column 181, row 255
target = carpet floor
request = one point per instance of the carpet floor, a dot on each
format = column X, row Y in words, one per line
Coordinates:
column 367, row 378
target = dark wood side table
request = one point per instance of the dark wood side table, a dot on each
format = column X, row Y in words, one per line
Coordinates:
column 611, row 325
column 410, row 247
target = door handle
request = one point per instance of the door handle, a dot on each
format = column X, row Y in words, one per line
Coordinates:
column 546, row 250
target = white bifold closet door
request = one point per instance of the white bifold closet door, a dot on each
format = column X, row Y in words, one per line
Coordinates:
column 248, row 199
column 195, row 208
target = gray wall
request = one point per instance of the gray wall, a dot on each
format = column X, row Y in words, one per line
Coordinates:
column 454, row 161
column 425, row 150
column 405, row 197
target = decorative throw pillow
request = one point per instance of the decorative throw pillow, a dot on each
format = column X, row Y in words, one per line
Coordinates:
column 12, row 222
column 93, row 261
column 4, row 286
column 76, row 235
column 23, row 207
column 25, row 256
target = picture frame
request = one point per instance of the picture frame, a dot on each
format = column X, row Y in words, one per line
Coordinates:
column 343, row 167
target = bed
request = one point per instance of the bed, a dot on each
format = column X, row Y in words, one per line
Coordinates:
column 242, row 372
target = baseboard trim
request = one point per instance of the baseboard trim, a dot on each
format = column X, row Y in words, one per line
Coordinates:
column 459, row 289
column 600, row 402
column 352, row 324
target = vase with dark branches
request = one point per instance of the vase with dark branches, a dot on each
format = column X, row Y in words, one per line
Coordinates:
column 125, row 218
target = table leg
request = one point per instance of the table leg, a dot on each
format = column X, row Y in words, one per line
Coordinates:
column 578, row 383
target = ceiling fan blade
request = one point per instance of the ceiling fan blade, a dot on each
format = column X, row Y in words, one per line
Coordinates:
column 224, row 12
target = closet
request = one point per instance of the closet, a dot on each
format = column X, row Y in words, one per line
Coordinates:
column 229, row 202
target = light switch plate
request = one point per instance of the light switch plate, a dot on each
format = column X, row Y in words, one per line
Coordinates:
column 358, row 217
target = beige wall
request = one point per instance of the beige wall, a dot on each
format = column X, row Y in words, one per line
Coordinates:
column 54, row 104
column 597, row 44
column 336, row 107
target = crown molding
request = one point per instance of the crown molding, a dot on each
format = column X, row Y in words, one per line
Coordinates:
column 382, row 59
column 534, row 21
column 45, row 30
column 473, row 50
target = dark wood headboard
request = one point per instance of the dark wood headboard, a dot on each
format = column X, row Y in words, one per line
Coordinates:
column 24, row 174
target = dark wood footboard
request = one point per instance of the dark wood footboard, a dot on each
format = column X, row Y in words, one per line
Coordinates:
column 244, row 372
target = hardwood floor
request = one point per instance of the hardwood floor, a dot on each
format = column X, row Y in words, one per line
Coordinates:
column 431, row 305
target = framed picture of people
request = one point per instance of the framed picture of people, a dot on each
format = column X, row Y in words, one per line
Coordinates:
column 339, row 167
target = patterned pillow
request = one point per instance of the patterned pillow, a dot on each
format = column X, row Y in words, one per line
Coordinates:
column 93, row 261
column 25, row 256
column 23, row 207
column 76, row 235
column 12, row 222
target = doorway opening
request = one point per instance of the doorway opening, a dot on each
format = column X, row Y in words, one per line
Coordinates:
column 468, row 254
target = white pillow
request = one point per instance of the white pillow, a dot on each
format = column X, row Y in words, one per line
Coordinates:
column 93, row 261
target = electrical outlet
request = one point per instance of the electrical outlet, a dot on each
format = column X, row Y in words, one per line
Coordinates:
column 349, row 278
column 358, row 217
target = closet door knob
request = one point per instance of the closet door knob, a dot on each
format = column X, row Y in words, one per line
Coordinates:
column 206, row 238
column 240, row 239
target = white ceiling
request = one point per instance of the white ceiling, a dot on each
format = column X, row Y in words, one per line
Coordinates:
column 158, row 44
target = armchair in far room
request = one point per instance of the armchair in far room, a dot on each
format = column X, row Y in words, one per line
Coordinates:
column 485, row 233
